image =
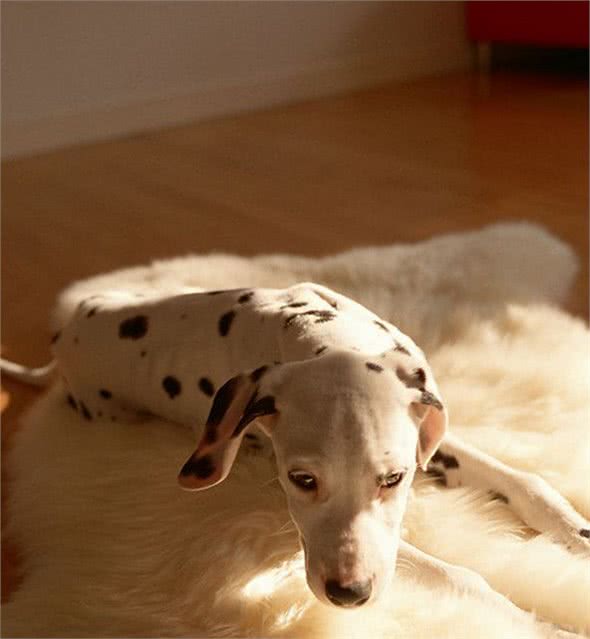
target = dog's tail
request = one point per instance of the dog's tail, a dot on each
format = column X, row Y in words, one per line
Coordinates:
column 35, row 376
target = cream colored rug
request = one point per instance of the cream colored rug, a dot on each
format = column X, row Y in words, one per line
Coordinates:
column 113, row 547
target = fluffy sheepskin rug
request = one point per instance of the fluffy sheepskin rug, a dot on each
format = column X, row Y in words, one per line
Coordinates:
column 112, row 546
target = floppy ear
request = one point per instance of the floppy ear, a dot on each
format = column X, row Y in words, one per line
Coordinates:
column 432, row 419
column 426, row 410
column 234, row 406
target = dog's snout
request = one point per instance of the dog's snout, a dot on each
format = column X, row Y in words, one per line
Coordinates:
column 354, row 595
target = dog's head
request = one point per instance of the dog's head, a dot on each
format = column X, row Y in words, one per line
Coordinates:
column 347, row 431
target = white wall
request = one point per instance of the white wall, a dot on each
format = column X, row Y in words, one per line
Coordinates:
column 78, row 71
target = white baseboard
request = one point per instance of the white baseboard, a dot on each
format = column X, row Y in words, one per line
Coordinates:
column 20, row 138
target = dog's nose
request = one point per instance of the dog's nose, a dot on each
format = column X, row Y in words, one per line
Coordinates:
column 354, row 595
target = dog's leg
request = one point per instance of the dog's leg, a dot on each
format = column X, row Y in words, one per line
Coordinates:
column 538, row 504
column 435, row 573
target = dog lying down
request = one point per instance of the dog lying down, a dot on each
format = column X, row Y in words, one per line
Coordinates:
column 349, row 403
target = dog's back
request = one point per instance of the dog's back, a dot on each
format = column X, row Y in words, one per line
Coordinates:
column 122, row 354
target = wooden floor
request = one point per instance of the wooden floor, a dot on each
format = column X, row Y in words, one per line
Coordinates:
column 394, row 164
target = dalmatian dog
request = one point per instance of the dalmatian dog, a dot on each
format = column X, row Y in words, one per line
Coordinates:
column 349, row 403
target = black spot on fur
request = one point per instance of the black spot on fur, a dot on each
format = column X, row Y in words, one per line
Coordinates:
column 258, row 373
column 448, row 461
column 225, row 322
column 294, row 305
column 210, row 435
column 255, row 408
column 430, row 400
column 143, row 353
column 253, row 442
column 499, row 497
column 374, row 367
column 172, row 386
column 201, row 467
column 585, row 532
column 105, row 394
column 85, row 412
column 72, row 402
column 289, row 319
column 320, row 350
column 222, row 401
column 99, row 414
column 76, row 340
column 321, row 316
column 133, row 327
column 381, row 325
column 214, row 292
column 206, row 386
column 401, row 349
column 246, row 297
column 415, row 379
column 183, row 316
column 91, row 312
column 55, row 337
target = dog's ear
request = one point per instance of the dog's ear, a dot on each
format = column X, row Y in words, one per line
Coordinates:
column 432, row 420
column 426, row 410
column 237, row 403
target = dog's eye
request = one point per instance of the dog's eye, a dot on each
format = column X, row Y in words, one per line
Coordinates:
column 391, row 479
column 303, row 481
